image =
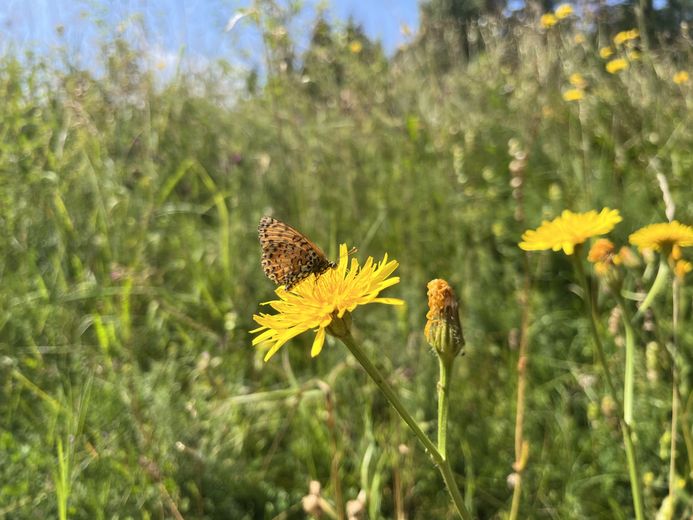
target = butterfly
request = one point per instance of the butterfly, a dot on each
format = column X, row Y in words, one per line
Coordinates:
column 288, row 256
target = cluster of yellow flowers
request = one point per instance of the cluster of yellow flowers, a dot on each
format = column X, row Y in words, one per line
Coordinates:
column 323, row 303
column 578, row 84
column 550, row 19
column 624, row 43
column 570, row 230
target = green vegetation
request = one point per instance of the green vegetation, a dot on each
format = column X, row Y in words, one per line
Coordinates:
column 130, row 272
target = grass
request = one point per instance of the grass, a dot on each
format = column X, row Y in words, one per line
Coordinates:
column 130, row 273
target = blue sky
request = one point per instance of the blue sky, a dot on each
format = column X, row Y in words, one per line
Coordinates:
column 196, row 27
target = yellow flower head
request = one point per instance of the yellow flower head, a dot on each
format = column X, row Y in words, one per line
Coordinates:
column 579, row 39
column 548, row 20
column 316, row 303
column 573, row 94
column 682, row 268
column 680, row 77
column 443, row 329
column 663, row 237
column 564, row 11
column 605, row 52
column 602, row 254
column 355, row 46
column 602, row 250
column 577, row 80
column 625, row 36
column 633, row 55
column 569, row 230
column 616, row 65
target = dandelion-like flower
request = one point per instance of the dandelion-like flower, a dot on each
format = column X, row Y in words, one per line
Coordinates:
column 682, row 268
column 663, row 237
column 605, row 52
column 577, row 80
column 573, row 94
column 322, row 302
column 603, row 255
column 616, row 65
column 625, row 36
column 548, row 20
column 355, row 47
column 569, row 230
column 680, row 77
column 563, row 11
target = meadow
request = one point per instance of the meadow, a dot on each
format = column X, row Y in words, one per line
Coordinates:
column 130, row 274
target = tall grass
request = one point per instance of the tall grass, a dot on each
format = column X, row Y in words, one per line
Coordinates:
column 130, row 267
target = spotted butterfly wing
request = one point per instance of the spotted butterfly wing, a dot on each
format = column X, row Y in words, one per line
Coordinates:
column 287, row 255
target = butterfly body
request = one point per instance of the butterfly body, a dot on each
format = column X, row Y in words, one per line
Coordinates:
column 288, row 256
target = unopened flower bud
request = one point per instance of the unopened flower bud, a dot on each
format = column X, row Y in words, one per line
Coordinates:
column 443, row 329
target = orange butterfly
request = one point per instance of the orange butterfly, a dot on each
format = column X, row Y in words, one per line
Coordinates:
column 288, row 256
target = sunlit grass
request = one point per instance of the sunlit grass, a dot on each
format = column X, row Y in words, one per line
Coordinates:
column 130, row 267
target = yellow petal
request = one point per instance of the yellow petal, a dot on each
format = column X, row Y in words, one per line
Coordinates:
column 318, row 342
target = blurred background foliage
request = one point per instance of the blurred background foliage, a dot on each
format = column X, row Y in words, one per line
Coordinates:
column 130, row 264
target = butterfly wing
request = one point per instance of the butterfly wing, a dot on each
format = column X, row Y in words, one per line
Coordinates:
column 288, row 256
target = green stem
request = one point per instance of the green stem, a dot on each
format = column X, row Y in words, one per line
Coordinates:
column 657, row 285
column 633, row 472
column 443, row 405
column 674, row 395
column 440, row 462
column 590, row 312
column 630, row 362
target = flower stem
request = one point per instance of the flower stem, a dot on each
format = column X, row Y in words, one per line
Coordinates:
column 630, row 362
column 633, row 472
column 393, row 398
column 521, row 446
column 590, row 312
column 674, row 394
column 443, row 405
column 657, row 286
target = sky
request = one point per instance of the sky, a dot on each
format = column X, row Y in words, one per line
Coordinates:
column 195, row 28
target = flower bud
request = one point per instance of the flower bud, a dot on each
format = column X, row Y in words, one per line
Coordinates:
column 443, row 329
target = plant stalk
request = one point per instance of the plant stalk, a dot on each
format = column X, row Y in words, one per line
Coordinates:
column 443, row 405
column 674, row 394
column 633, row 472
column 440, row 462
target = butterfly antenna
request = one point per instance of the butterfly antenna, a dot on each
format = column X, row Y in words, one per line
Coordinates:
column 352, row 251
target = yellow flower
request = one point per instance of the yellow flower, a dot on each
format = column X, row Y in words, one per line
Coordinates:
column 616, row 65
column 564, row 11
column 680, row 77
column 605, row 52
column 602, row 250
column 548, row 20
column 319, row 302
column 443, row 329
column 625, row 36
column 573, row 94
column 681, row 268
column 577, row 80
column 569, row 230
column 663, row 237
column 602, row 255
column 355, row 46
column 579, row 39
column 633, row 55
